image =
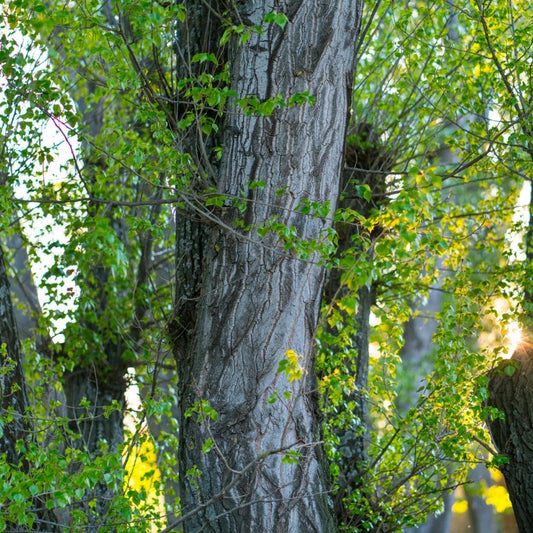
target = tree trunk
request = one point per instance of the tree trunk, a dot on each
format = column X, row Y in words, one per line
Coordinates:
column 354, row 440
column 513, row 436
column 480, row 512
column 13, row 391
column 14, row 400
column 418, row 343
column 440, row 523
column 258, row 301
column 23, row 289
column 367, row 162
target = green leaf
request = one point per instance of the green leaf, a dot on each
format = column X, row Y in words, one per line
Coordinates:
column 208, row 444
column 510, row 370
column 276, row 18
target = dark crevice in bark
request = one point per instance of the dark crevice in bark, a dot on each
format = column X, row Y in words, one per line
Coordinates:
column 200, row 34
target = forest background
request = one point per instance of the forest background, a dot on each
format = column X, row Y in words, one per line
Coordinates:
column 301, row 232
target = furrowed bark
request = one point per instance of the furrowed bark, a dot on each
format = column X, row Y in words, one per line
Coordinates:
column 513, row 395
column 258, row 301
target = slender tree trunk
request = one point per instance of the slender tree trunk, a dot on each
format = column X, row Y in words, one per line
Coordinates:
column 418, row 343
column 480, row 512
column 258, row 301
column 367, row 162
column 354, row 440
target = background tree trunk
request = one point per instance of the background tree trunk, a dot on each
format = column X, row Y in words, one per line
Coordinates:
column 367, row 162
column 13, row 391
column 258, row 301
column 23, row 289
column 14, row 400
column 482, row 516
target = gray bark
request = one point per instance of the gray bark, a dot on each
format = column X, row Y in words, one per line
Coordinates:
column 201, row 34
column 14, row 400
column 258, row 301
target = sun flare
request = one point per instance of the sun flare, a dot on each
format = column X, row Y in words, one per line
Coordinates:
column 513, row 338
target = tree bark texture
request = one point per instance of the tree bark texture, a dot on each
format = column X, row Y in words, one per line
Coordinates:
column 13, row 391
column 513, row 436
column 258, row 300
column 14, row 399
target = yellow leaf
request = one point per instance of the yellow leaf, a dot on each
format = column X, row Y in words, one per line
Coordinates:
column 460, row 506
column 499, row 498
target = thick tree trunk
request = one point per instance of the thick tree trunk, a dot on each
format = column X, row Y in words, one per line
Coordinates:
column 259, row 301
column 513, row 436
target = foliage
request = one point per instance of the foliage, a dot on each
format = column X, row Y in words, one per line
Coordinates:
column 146, row 159
column 434, row 210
